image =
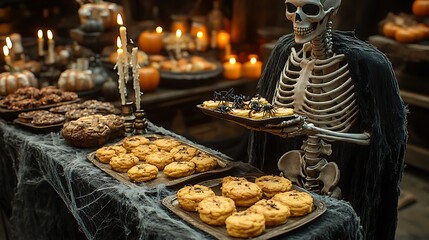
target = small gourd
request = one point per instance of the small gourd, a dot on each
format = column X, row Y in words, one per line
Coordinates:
column 11, row 81
column 78, row 79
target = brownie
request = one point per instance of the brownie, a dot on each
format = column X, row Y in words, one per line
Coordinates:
column 28, row 116
column 48, row 119
column 65, row 108
column 85, row 134
column 77, row 113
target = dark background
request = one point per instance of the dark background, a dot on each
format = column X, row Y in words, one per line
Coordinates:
column 26, row 16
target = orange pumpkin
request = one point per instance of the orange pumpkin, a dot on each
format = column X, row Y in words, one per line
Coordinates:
column 421, row 8
column 149, row 78
column 424, row 28
column 11, row 81
column 389, row 29
column 403, row 35
column 150, row 42
column 420, row 35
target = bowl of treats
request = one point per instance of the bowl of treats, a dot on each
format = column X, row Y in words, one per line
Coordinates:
column 189, row 71
column 257, row 207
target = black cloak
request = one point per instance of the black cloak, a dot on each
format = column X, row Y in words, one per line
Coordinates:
column 370, row 175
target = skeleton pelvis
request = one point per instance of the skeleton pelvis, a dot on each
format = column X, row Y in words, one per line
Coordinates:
column 291, row 165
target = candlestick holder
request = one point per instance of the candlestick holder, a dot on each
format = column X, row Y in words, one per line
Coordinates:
column 128, row 116
column 140, row 123
column 49, row 74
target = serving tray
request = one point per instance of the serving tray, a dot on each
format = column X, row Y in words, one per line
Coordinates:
column 39, row 128
column 220, row 232
column 223, row 166
column 189, row 79
column 11, row 114
column 244, row 120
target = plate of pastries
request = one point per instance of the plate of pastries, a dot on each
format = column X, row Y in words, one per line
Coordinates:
column 189, row 71
column 257, row 207
column 31, row 98
column 152, row 159
column 53, row 119
column 251, row 111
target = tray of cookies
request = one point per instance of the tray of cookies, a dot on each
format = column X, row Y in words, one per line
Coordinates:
column 257, row 207
column 30, row 99
column 252, row 112
column 152, row 159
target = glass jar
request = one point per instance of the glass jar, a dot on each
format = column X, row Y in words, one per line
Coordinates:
column 179, row 22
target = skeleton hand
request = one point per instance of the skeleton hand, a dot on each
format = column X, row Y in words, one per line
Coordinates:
column 288, row 129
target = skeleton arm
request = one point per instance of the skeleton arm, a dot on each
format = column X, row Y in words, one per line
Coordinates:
column 298, row 127
column 356, row 138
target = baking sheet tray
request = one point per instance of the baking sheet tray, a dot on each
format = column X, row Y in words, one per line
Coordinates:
column 223, row 166
column 11, row 114
column 220, row 231
column 243, row 120
column 182, row 80
column 39, row 128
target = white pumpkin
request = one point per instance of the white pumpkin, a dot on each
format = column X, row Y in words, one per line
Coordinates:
column 11, row 81
column 76, row 80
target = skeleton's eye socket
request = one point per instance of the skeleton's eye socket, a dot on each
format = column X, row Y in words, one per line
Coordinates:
column 311, row 9
column 290, row 8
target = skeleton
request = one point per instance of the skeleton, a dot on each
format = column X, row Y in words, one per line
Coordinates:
column 316, row 83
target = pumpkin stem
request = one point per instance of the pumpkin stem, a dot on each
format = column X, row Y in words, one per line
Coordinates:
column 10, row 68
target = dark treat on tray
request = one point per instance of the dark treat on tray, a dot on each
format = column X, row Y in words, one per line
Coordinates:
column 85, row 134
column 28, row 92
column 28, row 116
column 92, row 130
column 24, row 104
column 30, row 97
column 77, row 113
column 65, row 108
column 50, row 90
column 50, row 99
column 48, row 119
column 100, row 107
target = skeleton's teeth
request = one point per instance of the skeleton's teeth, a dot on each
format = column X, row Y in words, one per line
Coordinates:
column 302, row 30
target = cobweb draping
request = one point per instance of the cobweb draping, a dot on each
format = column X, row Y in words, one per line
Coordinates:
column 40, row 173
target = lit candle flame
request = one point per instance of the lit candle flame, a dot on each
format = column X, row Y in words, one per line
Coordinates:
column 5, row 51
column 119, row 20
column 40, row 33
column 50, row 35
column 199, row 34
column 178, row 33
column 118, row 42
column 232, row 60
column 158, row 29
column 253, row 60
column 9, row 43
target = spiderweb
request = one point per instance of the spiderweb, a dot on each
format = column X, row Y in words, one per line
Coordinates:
column 53, row 178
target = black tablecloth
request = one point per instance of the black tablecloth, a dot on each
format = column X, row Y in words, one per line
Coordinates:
column 49, row 190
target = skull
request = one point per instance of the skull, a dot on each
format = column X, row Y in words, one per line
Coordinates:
column 310, row 17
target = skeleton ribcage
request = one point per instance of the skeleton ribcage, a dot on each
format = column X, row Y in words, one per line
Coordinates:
column 321, row 90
